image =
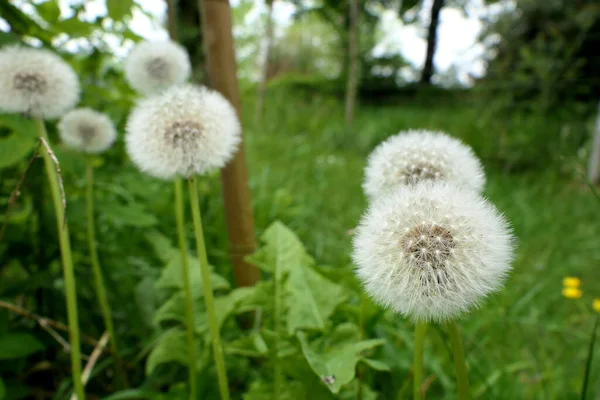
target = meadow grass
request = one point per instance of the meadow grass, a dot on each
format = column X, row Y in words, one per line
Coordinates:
column 527, row 341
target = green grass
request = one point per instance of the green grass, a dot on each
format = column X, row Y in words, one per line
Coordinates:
column 527, row 341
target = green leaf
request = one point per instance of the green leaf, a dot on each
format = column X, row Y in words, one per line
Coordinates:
column 252, row 345
column 131, row 214
column 49, row 10
column 170, row 277
column 75, row 28
column 311, row 299
column 282, row 249
column 337, row 361
column 17, row 345
column 119, row 9
column 377, row 365
column 134, row 394
column 20, row 141
column 170, row 347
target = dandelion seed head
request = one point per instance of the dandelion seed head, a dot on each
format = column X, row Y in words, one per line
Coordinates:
column 155, row 66
column 87, row 130
column 183, row 131
column 432, row 251
column 414, row 156
column 36, row 82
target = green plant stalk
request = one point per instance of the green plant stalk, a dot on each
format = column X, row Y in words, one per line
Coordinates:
column 460, row 364
column 98, row 280
column 420, row 330
column 209, row 299
column 187, row 288
column 588, row 364
column 277, row 372
column 67, row 262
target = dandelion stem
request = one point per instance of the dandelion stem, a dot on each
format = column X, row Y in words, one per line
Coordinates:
column 277, row 371
column 590, row 356
column 460, row 364
column 98, row 280
column 185, row 273
column 420, row 330
column 207, row 290
column 67, row 262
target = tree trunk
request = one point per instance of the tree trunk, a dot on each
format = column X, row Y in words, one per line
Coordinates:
column 222, row 76
column 264, row 73
column 427, row 73
column 594, row 163
column 172, row 20
column 353, row 59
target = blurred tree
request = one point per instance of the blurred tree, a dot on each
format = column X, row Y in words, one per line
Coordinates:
column 427, row 73
column 546, row 55
column 354, row 61
column 264, row 73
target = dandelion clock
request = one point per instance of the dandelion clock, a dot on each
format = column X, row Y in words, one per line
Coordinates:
column 87, row 130
column 418, row 155
column 39, row 84
column 177, row 134
column 431, row 252
column 155, row 66
column 36, row 82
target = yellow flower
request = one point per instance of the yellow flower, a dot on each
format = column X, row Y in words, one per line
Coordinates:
column 571, row 282
column 596, row 305
column 572, row 293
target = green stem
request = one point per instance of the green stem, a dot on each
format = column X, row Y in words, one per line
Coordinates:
column 588, row 363
column 67, row 262
column 207, row 290
column 460, row 364
column 420, row 330
column 98, row 280
column 185, row 273
column 277, row 371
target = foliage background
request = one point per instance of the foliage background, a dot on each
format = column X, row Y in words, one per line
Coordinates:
column 529, row 120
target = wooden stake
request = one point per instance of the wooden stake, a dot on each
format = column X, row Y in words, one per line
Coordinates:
column 222, row 76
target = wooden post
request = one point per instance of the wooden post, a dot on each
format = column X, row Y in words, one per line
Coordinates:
column 594, row 163
column 222, row 76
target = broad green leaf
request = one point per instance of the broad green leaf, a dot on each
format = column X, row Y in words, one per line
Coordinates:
column 74, row 27
column 252, row 345
column 171, row 347
column 146, row 301
column 337, row 361
column 19, row 143
column 49, row 10
column 17, row 345
column 376, row 364
column 264, row 391
column 225, row 306
column 161, row 245
column 131, row 214
column 119, row 9
column 311, row 299
column 282, row 249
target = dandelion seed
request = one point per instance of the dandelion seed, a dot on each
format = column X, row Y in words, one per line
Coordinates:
column 36, row 82
column 183, row 131
column 596, row 305
column 437, row 268
column 571, row 281
column 572, row 292
column 156, row 66
column 414, row 156
column 87, row 130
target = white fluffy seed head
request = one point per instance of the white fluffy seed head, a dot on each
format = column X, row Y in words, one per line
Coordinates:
column 432, row 251
column 417, row 155
column 36, row 82
column 155, row 66
column 183, row 131
column 87, row 130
